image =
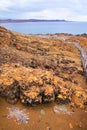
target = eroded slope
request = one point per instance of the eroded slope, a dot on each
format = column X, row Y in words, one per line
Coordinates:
column 38, row 69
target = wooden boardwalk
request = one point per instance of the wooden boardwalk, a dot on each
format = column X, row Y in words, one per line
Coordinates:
column 83, row 57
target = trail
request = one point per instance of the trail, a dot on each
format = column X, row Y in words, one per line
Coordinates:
column 83, row 57
column 65, row 39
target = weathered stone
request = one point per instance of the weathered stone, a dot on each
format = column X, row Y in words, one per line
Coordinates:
column 38, row 70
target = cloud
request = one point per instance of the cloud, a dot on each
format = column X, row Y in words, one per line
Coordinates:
column 44, row 9
column 5, row 4
column 52, row 13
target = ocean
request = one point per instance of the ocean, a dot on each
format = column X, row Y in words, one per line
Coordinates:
column 47, row 27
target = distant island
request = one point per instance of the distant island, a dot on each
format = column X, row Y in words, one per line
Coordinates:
column 28, row 20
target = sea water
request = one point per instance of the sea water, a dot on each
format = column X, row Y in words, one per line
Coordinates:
column 47, row 27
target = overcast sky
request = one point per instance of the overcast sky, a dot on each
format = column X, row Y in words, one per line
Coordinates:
column 75, row 10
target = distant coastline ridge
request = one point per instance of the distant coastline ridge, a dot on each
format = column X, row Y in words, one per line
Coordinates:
column 30, row 20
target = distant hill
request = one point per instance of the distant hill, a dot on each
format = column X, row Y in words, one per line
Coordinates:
column 29, row 20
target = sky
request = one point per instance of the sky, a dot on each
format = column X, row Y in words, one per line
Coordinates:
column 73, row 10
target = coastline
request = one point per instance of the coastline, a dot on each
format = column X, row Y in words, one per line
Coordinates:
column 29, row 20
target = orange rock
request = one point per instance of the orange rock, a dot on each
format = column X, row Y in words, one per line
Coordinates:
column 45, row 69
column 70, row 125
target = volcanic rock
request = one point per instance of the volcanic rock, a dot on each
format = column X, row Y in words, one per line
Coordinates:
column 37, row 69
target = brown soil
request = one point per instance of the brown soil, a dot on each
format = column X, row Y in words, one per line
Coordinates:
column 49, row 121
column 38, row 69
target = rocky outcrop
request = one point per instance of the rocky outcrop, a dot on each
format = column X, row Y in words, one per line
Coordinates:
column 37, row 69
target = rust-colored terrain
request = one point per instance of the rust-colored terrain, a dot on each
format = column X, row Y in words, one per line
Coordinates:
column 42, row 68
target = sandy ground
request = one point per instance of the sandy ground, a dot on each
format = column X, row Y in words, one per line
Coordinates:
column 48, row 121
